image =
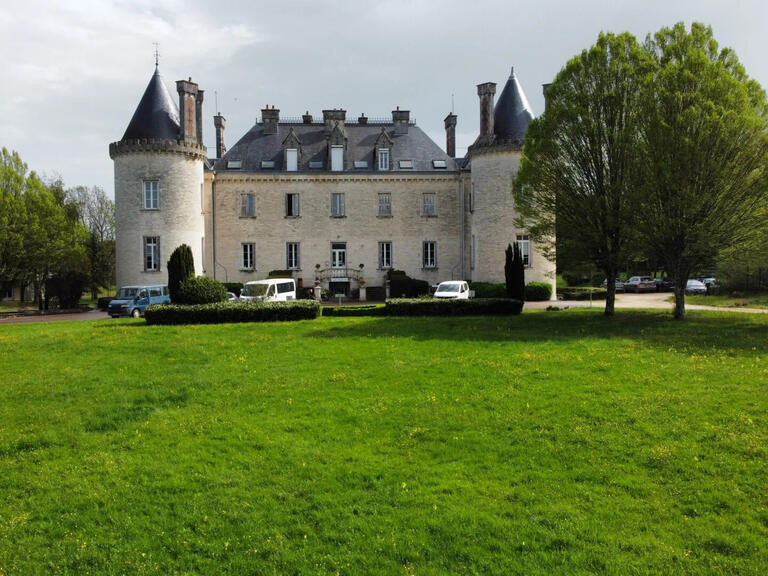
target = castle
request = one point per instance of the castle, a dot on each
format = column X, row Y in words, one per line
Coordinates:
column 337, row 202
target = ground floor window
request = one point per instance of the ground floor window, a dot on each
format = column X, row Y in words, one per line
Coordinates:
column 292, row 256
column 385, row 255
column 429, row 254
column 247, row 256
column 524, row 243
column 151, row 253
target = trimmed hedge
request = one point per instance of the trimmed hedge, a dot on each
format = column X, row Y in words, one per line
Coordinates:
column 201, row 290
column 232, row 312
column 363, row 310
column 582, row 293
column 488, row 290
column 400, row 284
column 437, row 307
column 538, row 291
column 103, row 302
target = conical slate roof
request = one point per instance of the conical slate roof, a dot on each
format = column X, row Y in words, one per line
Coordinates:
column 512, row 112
column 157, row 116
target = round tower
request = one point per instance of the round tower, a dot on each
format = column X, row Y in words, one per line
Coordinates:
column 495, row 160
column 159, row 183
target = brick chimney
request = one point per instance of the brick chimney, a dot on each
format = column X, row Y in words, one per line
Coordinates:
column 486, row 92
column 450, row 135
column 400, row 119
column 270, row 117
column 190, row 111
column 219, row 122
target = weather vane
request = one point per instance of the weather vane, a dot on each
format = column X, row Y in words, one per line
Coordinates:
column 157, row 53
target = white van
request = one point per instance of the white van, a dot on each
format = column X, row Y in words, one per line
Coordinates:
column 269, row 290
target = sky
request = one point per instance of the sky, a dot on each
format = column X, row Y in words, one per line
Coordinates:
column 74, row 72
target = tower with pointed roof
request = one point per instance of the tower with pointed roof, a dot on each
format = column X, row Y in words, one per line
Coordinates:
column 494, row 160
column 159, row 183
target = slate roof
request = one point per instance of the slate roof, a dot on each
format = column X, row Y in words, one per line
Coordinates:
column 256, row 146
column 512, row 113
column 157, row 116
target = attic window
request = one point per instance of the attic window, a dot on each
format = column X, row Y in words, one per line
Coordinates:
column 267, row 163
column 316, row 164
column 234, row 164
column 361, row 164
column 439, row 164
column 406, row 164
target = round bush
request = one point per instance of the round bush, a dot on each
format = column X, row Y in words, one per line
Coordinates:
column 201, row 290
column 538, row 291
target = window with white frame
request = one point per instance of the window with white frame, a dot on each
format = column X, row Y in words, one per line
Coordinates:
column 151, row 195
column 524, row 243
column 247, row 206
column 428, row 206
column 383, row 158
column 337, row 204
column 292, row 253
column 292, row 205
column 247, row 256
column 151, row 253
column 385, row 204
column 385, row 255
column 337, row 158
column 291, row 159
column 429, row 254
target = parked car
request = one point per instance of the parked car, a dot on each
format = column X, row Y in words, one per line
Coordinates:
column 456, row 289
column 695, row 287
column 231, row 296
column 640, row 284
column 269, row 290
column 665, row 284
column 619, row 285
column 133, row 300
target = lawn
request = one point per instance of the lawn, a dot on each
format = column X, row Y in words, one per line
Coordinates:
column 547, row 443
column 745, row 299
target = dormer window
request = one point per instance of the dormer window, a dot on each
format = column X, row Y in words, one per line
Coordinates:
column 291, row 159
column 383, row 158
column 337, row 158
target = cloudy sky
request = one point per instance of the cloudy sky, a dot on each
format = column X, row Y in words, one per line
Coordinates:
column 74, row 72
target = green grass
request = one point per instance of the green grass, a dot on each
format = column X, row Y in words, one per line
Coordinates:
column 745, row 300
column 547, row 443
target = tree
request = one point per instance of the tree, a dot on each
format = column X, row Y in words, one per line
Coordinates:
column 97, row 214
column 514, row 272
column 705, row 145
column 181, row 265
column 13, row 181
column 580, row 158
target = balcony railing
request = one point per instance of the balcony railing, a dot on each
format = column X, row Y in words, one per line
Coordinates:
column 327, row 274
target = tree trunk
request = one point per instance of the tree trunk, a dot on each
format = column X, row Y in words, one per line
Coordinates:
column 680, row 284
column 610, row 297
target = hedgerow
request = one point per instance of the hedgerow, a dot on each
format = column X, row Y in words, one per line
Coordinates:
column 232, row 312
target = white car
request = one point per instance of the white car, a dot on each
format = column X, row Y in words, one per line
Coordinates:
column 695, row 287
column 457, row 289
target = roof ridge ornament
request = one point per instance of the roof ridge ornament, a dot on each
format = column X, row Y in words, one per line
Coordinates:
column 157, row 53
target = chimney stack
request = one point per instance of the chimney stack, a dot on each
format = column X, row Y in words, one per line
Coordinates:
column 362, row 120
column 486, row 92
column 331, row 117
column 307, row 118
column 544, row 88
column 190, row 111
column 450, row 135
column 400, row 119
column 220, row 123
column 270, row 117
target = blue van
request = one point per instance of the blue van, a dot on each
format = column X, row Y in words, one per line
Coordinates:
column 133, row 300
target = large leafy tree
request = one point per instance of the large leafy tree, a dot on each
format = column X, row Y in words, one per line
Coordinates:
column 97, row 214
column 13, row 182
column 580, row 160
column 705, row 141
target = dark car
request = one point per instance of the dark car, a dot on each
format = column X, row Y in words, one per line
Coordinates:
column 665, row 284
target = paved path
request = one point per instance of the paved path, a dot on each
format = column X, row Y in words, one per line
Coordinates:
column 91, row 315
column 657, row 300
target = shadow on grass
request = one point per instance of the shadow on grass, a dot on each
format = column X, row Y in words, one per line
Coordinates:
column 701, row 332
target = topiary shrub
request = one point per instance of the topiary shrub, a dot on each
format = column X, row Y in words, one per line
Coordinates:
column 181, row 265
column 582, row 293
column 538, row 291
column 362, row 310
column 488, row 290
column 201, row 290
column 67, row 288
column 438, row 307
column 232, row 312
column 400, row 285
column 103, row 302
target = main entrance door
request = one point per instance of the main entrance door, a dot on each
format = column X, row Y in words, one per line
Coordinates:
column 339, row 283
